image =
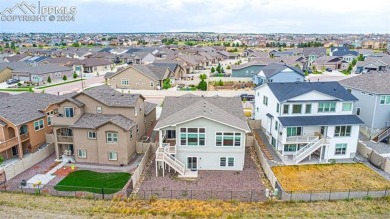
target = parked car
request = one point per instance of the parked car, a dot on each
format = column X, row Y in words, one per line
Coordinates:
column 250, row 97
column 243, row 96
column 328, row 69
column 12, row 81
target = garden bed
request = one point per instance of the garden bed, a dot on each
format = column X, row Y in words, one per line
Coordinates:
column 329, row 177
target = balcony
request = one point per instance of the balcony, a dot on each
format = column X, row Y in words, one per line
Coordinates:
column 5, row 145
column 300, row 139
column 64, row 139
column 60, row 120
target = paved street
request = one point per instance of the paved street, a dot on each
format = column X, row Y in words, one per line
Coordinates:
column 76, row 86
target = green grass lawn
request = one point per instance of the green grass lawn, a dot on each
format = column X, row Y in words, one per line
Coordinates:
column 53, row 85
column 89, row 181
column 22, row 89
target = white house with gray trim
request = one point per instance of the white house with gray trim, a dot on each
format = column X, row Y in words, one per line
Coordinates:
column 306, row 121
column 201, row 133
column 373, row 107
column 276, row 72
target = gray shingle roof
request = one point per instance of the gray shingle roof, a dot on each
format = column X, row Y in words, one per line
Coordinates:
column 26, row 107
column 13, row 65
column 286, row 91
column 93, row 121
column 374, row 82
column 318, row 51
column 149, row 107
column 111, row 97
column 320, row 120
column 42, row 69
column 227, row 110
column 274, row 68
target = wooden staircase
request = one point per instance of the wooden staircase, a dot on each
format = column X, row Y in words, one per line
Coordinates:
column 382, row 135
column 163, row 154
column 263, row 148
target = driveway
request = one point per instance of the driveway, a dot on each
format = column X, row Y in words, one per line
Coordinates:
column 328, row 76
column 3, row 85
column 76, row 86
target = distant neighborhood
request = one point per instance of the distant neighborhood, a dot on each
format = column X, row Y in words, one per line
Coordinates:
column 248, row 117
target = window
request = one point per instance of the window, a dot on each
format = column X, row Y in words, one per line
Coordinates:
column 297, row 109
column 347, row 106
column 81, row 153
column 358, row 111
column 112, row 137
column 140, row 107
column 308, row 109
column 151, row 84
column 91, row 135
column 276, row 125
column 229, row 163
column 125, row 82
column 112, row 155
column 290, row 147
column 327, row 107
column 294, row 131
column 286, row 109
column 38, row 125
column 69, row 112
column 277, row 107
column 131, row 134
column 98, row 109
column 137, row 128
column 257, row 109
column 342, row 131
column 192, row 136
column 340, row 149
column 385, row 99
column 135, row 111
column 265, row 100
column 49, row 120
column 228, row 139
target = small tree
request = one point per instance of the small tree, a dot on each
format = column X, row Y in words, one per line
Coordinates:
column 220, row 82
column 360, row 57
column 354, row 61
column 228, row 67
column 49, row 79
column 1, row 160
column 306, row 72
column 166, row 84
column 202, row 85
column 212, row 69
column 75, row 75
column 219, row 68
column 64, row 78
column 203, row 77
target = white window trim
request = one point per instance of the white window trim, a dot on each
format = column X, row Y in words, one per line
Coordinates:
column 39, row 128
column 227, row 162
column 78, row 155
column 234, row 135
column 68, row 107
column 89, row 135
column 205, row 137
column 112, row 142
column 110, row 158
column 99, row 111
column 125, row 84
column 346, row 147
column 342, row 107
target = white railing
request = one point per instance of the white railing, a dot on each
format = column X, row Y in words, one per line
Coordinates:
column 306, row 147
column 310, row 148
column 383, row 135
column 302, row 139
column 164, row 154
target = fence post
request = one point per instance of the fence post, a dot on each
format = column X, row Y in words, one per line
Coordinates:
column 191, row 194
column 310, row 194
column 368, row 190
column 211, row 194
column 330, row 192
column 171, row 193
column 102, row 193
column 251, row 196
column 385, row 192
column 349, row 192
column 290, row 195
column 231, row 195
column 144, row 194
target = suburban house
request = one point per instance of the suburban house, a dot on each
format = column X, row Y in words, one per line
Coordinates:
column 7, row 68
column 295, row 61
column 142, row 57
column 40, row 73
column 373, row 64
column 276, row 72
column 178, row 70
column 141, row 77
column 25, row 119
column 308, row 120
column 201, row 133
column 96, row 66
column 247, row 70
column 344, row 52
column 331, row 62
column 101, row 125
column 311, row 54
column 373, row 106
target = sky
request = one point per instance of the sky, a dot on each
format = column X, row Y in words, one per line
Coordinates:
column 223, row 16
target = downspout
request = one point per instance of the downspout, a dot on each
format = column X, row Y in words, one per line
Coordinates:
column 373, row 116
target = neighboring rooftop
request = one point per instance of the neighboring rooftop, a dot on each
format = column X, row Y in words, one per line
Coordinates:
column 286, row 91
column 93, row 121
column 374, row 82
column 274, row 68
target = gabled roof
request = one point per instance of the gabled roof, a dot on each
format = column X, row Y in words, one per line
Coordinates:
column 344, row 53
column 318, row 51
column 94, row 121
column 275, row 68
column 286, row 91
column 225, row 110
column 111, row 97
column 149, row 107
column 287, row 121
column 373, row 82
column 42, row 69
column 21, row 108
column 13, row 65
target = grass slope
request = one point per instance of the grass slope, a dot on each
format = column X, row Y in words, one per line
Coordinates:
column 329, row 176
column 85, row 180
column 36, row 206
column 58, row 84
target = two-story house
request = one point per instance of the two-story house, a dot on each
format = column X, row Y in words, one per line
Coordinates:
column 373, row 106
column 306, row 119
column 276, row 72
column 25, row 119
column 201, row 133
column 312, row 54
column 101, row 125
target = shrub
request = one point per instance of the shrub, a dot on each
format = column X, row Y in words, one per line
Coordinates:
column 64, row 78
column 166, row 84
column 212, row 69
column 19, row 84
column 75, row 75
column 228, row 67
column 49, row 80
column 220, row 82
column 202, row 85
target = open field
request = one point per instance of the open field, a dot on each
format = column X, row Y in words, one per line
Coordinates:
column 85, row 180
column 32, row 206
column 329, row 177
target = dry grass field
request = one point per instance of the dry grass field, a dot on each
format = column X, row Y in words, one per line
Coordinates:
column 329, row 176
column 32, row 206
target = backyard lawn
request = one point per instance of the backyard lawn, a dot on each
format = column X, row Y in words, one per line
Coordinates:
column 85, row 180
column 329, row 177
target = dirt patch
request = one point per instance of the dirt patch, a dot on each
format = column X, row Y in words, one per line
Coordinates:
column 64, row 171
